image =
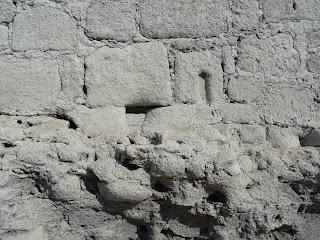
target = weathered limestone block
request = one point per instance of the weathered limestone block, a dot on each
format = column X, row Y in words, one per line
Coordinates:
column 313, row 63
column 28, row 85
column 111, row 19
column 7, row 11
column 180, row 18
column 274, row 55
column 246, row 14
column 274, row 10
column 167, row 166
column 43, row 28
column 282, row 138
column 137, row 75
column 35, row 234
column 178, row 118
column 125, row 191
column 72, row 75
column 4, row 37
column 312, row 139
column 199, row 78
column 103, row 122
column 240, row 113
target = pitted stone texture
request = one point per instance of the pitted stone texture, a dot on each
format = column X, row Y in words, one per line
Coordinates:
column 7, row 11
column 180, row 18
column 246, row 14
column 137, row 75
column 178, row 118
column 111, row 19
column 104, row 122
column 274, row 10
column 273, row 56
column 4, row 37
column 43, row 28
column 28, row 85
column 199, row 78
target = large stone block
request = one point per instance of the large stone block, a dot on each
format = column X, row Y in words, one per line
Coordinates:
column 111, row 19
column 137, row 75
column 246, row 14
column 28, row 85
column 274, row 10
column 274, row 55
column 181, row 18
column 7, row 11
column 103, row 122
column 199, row 78
column 43, row 28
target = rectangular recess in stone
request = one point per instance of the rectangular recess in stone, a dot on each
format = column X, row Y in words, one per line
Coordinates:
column 43, row 28
column 183, row 18
column 111, row 19
column 136, row 75
column 28, row 85
column 198, row 78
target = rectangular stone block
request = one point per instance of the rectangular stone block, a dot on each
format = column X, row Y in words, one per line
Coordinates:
column 4, row 37
column 198, row 78
column 272, row 56
column 275, row 10
column 7, row 11
column 183, row 18
column 28, row 85
column 136, row 75
column 111, row 19
column 43, row 28
column 246, row 14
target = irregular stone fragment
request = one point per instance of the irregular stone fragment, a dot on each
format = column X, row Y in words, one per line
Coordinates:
column 174, row 19
column 312, row 139
column 252, row 134
column 111, row 19
column 198, row 78
column 4, row 37
column 137, row 75
column 282, row 138
column 66, row 189
column 167, row 166
column 43, row 28
column 104, row 122
column 116, row 230
column 124, row 191
column 7, row 11
column 28, row 85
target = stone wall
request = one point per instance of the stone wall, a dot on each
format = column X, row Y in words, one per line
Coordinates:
column 159, row 119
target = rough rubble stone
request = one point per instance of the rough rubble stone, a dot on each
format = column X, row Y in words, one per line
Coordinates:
column 7, row 11
column 28, row 85
column 159, row 19
column 137, row 75
column 246, row 14
column 198, row 78
column 111, row 19
column 44, row 28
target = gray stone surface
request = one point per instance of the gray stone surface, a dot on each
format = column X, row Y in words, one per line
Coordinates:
column 169, row 120
column 111, row 19
column 137, row 75
column 43, row 28
column 172, row 19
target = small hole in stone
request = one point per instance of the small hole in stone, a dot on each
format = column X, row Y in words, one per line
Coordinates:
column 8, row 145
column 127, row 164
column 84, row 89
column 19, row 121
column 159, row 187
column 294, row 5
column 139, row 109
column 217, row 197
column 278, row 217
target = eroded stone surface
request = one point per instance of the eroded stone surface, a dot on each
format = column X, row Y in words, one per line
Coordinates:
column 159, row 19
column 137, row 75
column 43, row 28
